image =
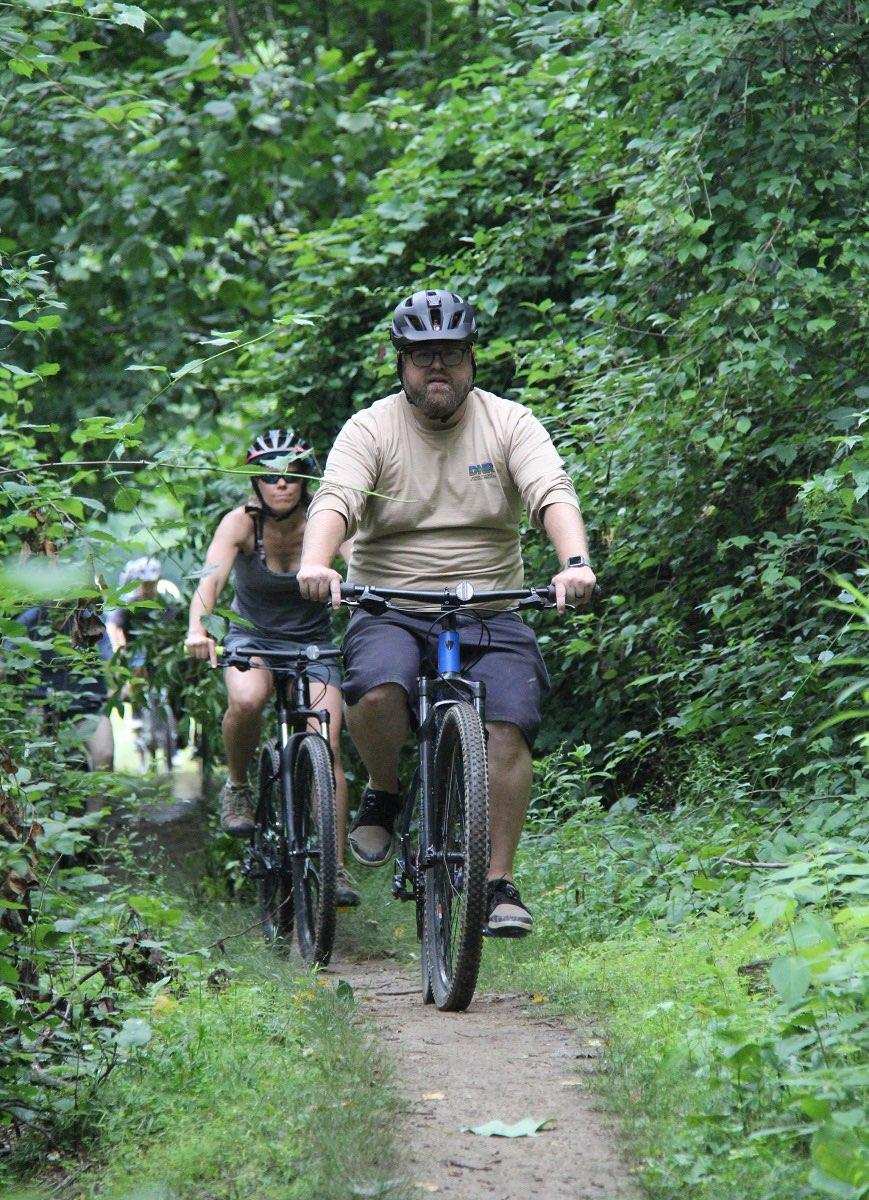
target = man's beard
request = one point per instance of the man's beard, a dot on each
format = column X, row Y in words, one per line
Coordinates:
column 441, row 402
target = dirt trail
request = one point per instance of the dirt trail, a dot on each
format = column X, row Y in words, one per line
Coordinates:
column 495, row 1061
column 500, row 1060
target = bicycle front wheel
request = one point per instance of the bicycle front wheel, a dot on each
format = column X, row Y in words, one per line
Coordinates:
column 455, row 883
column 314, row 848
column 267, row 854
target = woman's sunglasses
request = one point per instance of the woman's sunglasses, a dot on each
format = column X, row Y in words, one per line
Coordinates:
column 271, row 479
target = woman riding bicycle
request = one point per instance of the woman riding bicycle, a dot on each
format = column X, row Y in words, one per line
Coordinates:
column 259, row 543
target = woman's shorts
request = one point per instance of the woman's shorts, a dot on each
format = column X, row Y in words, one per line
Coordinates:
column 326, row 672
column 502, row 653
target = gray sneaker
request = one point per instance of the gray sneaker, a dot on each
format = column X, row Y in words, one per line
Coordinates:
column 236, row 809
column 346, row 895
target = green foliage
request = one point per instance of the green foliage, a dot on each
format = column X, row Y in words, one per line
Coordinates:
column 76, row 958
column 655, row 212
column 724, row 944
column 207, row 215
column 254, row 1085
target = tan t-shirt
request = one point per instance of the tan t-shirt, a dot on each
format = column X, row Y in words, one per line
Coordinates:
column 456, row 492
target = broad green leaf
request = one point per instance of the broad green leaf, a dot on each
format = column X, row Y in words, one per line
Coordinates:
column 772, row 908
column 37, row 580
column 134, row 1032
column 790, row 977
column 129, row 14
column 527, row 1127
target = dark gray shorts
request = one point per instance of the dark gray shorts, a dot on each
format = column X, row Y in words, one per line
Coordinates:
column 329, row 673
column 391, row 648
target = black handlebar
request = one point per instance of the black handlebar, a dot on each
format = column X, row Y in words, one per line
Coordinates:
column 376, row 598
column 290, row 660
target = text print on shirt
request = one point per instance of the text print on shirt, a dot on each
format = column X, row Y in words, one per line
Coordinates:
column 484, row 470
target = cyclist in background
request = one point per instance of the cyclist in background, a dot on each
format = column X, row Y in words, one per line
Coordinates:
column 125, row 624
column 149, row 603
column 259, row 543
column 71, row 690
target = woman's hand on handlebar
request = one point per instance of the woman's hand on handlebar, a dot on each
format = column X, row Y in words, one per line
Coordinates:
column 199, row 645
column 319, row 584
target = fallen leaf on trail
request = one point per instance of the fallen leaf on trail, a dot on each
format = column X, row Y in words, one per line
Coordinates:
column 539, row 998
column 433, row 1096
column 575, row 1082
column 525, row 1128
column 398, row 932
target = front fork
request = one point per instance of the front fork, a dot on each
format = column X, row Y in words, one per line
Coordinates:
column 407, row 869
column 410, row 867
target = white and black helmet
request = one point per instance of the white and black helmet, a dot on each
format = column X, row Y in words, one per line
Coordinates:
column 284, row 442
column 284, row 447
column 433, row 316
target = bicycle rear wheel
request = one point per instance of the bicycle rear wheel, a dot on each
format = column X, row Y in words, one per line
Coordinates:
column 314, row 848
column 268, row 854
column 168, row 735
column 455, row 884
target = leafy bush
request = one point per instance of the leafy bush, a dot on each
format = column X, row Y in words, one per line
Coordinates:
column 655, row 207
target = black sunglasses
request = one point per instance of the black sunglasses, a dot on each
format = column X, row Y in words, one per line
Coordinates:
column 450, row 356
column 272, row 479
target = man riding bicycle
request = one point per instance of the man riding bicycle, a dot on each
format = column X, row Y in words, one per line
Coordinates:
column 458, row 465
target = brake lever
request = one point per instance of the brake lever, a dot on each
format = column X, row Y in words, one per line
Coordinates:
column 373, row 604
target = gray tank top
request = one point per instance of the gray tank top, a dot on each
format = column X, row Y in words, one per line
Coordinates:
column 268, row 599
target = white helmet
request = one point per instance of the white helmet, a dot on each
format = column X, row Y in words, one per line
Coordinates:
column 144, row 570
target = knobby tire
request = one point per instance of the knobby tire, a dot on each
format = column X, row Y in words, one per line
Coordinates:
column 315, row 871
column 169, row 736
column 274, row 887
column 455, row 893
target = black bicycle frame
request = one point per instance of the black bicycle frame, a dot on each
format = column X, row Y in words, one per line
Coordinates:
column 375, row 600
column 293, row 710
column 299, row 711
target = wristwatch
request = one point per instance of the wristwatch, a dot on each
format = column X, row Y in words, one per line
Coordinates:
column 576, row 560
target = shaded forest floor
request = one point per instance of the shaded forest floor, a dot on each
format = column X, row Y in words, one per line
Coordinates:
column 655, row 995
column 268, row 1080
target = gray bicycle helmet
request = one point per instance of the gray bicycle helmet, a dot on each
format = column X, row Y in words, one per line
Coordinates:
column 432, row 316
